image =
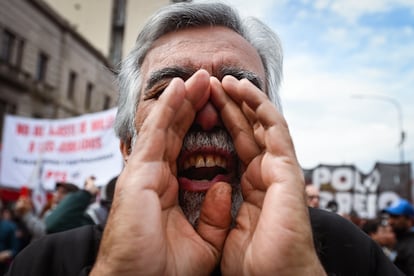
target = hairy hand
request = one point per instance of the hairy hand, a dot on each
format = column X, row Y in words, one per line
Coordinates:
column 272, row 234
column 147, row 232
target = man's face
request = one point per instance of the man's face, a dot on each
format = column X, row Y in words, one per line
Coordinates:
column 207, row 154
column 384, row 236
column 312, row 196
column 59, row 194
column 400, row 224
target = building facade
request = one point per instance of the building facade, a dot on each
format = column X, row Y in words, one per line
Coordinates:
column 111, row 26
column 47, row 69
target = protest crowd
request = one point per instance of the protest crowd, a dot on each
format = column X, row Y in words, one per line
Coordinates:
column 71, row 207
column 68, row 207
column 392, row 229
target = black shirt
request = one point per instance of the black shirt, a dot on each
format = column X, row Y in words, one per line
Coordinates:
column 342, row 248
column 405, row 253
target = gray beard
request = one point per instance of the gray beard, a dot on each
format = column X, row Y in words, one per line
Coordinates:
column 191, row 202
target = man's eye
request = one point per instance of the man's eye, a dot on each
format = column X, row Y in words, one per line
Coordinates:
column 155, row 91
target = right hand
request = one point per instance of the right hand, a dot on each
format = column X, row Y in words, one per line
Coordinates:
column 90, row 186
column 147, row 233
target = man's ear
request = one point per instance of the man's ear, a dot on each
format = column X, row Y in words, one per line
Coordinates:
column 125, row 148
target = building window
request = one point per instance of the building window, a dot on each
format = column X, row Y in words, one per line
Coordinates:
column 88, row 95
column 5, row 108
column 20, row 52
column 107, row 102
column 41, row 69
column 12, row 109
column 37, row 115
column 71, row 85
column 7, row 45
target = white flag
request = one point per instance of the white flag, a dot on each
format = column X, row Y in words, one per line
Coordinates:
column 39, row 197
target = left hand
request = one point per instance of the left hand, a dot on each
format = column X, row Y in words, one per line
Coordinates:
column 273, row 235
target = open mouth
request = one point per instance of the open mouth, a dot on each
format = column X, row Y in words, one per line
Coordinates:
column 198, row 171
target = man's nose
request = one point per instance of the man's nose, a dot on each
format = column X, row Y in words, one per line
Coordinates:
column 207, row 117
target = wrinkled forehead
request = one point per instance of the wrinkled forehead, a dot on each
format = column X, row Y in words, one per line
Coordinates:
column 219, row 50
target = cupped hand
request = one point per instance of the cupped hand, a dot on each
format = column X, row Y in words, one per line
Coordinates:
column 147, row 232
column 273, row 234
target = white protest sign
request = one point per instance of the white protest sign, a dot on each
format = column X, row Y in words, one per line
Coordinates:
column 70, row 150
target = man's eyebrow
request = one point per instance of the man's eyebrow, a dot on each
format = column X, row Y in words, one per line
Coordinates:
column 239, row 74
column 168, row 73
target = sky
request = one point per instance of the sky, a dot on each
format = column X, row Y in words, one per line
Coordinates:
column 336, row 51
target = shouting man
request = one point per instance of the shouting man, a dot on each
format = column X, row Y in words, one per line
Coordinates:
column 211, row 182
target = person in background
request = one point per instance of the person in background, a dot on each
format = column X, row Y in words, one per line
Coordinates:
column 312, row 195
column 211, row 183
column 99, row 211
column 400, row 218
column 381, row 232
column 332, row 206
column 25, row 211
column 9, row 245
column 354, row 217
column 22, row 233
column 71, row 210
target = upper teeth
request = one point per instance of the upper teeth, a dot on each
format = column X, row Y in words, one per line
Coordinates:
column 209, row 160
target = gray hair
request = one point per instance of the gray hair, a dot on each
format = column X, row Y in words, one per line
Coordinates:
column 187, row 15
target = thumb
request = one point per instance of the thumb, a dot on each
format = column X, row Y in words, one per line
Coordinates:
column 215, row 216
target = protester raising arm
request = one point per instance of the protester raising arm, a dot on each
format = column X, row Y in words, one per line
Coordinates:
column 70, row 212
column 35, row 225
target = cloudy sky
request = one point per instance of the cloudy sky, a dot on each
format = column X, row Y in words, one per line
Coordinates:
column 333, row 51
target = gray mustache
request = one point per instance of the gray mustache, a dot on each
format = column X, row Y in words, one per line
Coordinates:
column 219, row 139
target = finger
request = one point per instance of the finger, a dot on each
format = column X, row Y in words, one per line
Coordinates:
column 258, row 129
column 245, row 91
column 271, row 129
column 136, row 186
column 150, row 144
column 235, row 122
column 197, row 89
column 171, row 115
column 215, row 216
column 161, row 134
column 246, row 144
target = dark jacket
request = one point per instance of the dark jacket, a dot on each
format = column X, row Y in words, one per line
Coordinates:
column 8, row 241
column 342, row 247
column 70, row 213
column 405, row 253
